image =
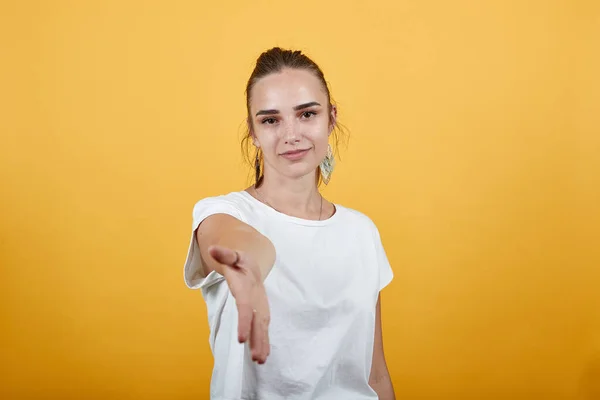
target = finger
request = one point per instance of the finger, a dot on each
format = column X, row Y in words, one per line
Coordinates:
column 266, row 342
column 224, row 255
column 260, row 336
column 256, row 339
column 266, row 322
column 244, row 320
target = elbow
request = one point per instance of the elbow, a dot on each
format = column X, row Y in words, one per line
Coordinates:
column 381, row 382
column 376, row 379
column 271, row 250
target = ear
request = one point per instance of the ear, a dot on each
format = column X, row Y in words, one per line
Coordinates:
column 255, row 141
column 252, row 134
column 333, row 118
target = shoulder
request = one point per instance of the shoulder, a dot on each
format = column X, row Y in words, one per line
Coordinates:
column 356, row 217
column 232, row 198
column 233, row 203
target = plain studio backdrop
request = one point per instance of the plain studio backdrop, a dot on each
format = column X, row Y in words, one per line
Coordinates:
column 474, row 145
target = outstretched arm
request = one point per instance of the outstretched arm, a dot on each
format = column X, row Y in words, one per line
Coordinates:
column 244, row 257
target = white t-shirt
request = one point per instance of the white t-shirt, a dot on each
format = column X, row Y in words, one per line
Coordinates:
column 322, row 292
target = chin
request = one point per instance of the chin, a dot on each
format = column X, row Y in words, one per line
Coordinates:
column 299, row 170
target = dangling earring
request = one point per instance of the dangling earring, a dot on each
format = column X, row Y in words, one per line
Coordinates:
column 257, row 167
column 327, row 165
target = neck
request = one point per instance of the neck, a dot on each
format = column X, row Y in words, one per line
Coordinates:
column 297, row 197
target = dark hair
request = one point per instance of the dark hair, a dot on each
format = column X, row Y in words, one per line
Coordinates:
column 273, row 61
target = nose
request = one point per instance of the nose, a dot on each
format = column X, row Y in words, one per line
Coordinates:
column 290, row 135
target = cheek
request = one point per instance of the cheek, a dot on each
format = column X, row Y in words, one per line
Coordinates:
column 318, row 129
column 266, row 136
column 267, row 144
column 320, row 138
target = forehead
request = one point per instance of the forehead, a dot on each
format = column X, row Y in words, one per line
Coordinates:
column 287, row 89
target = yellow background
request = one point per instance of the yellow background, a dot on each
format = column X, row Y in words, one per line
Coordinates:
column 475, row 147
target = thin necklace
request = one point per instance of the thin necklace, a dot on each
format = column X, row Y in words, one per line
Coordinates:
column 267, row 203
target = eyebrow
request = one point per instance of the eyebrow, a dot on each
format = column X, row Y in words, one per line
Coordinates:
column 296, row 108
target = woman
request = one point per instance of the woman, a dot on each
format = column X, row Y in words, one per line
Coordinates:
column 291, row 280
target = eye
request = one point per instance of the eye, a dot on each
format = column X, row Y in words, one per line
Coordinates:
column 308, row 114
column 269, row 121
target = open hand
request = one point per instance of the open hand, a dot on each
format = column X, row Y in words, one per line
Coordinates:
column 246, row 285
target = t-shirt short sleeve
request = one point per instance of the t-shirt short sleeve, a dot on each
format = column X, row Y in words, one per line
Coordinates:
column 192, row 270
column 385, row 270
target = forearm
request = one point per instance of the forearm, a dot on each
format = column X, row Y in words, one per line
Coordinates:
column 379, row 378
column 238, row 236
column 246, row 239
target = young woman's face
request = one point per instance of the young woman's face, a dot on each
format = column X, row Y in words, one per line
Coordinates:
column 291, row 122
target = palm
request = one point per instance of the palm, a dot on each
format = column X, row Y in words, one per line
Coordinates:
column 245, row 283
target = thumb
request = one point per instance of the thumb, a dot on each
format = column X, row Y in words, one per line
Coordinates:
column 224, row 255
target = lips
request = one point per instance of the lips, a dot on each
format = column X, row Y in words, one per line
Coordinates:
column 295, row 155
column 292, row 152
